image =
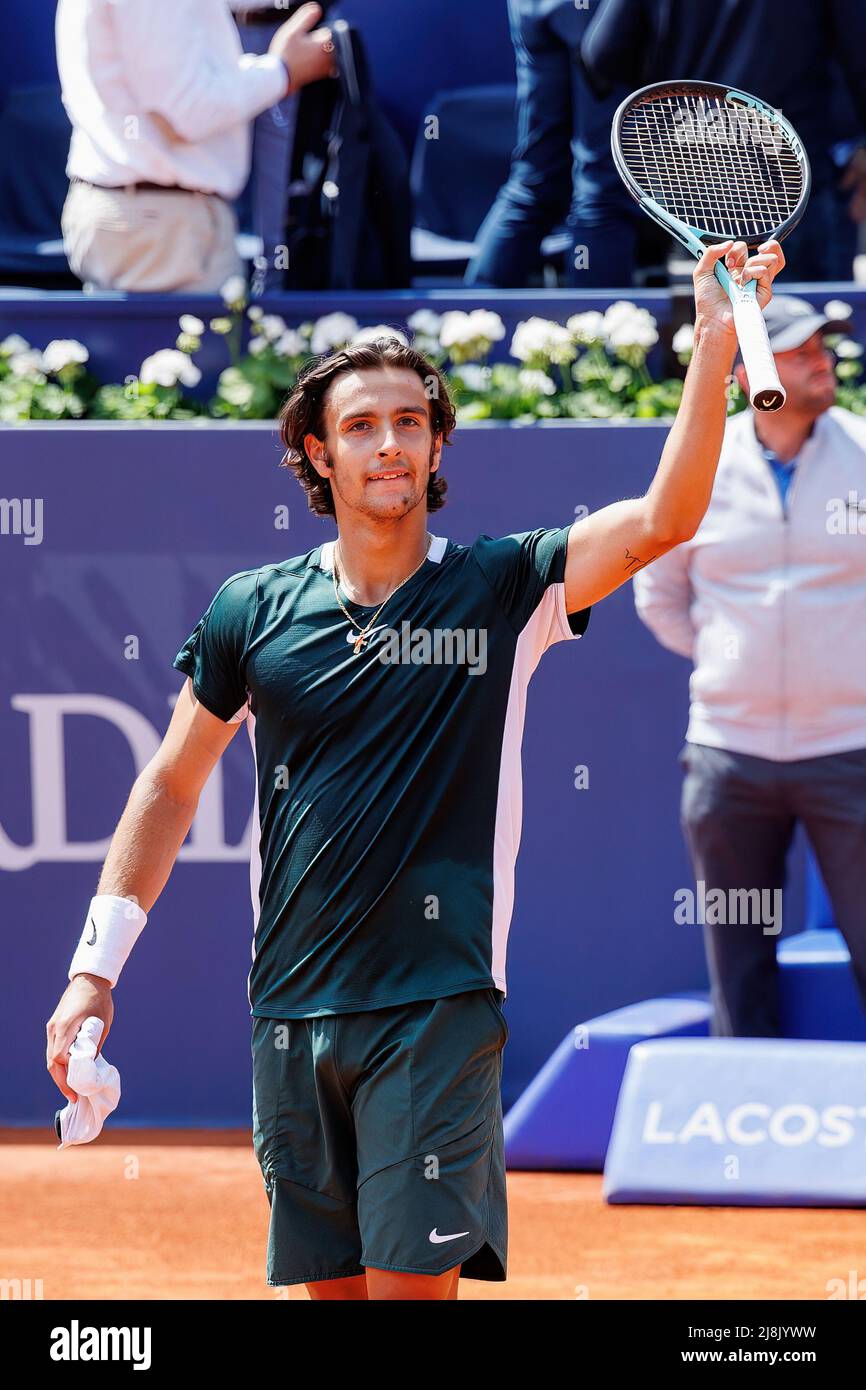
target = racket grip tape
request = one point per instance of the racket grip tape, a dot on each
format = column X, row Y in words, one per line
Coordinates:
column 765, row 390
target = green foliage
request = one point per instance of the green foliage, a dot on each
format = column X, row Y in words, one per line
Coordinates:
column 143, row 401
column 65, row 395
column 254, row 389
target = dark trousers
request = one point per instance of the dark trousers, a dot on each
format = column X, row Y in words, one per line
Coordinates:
column 561, row 166
column 739, row 814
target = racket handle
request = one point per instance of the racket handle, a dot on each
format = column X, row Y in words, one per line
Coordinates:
column 766, row 392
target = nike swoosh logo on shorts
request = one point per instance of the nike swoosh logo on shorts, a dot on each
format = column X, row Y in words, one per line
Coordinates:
column 440, row 1240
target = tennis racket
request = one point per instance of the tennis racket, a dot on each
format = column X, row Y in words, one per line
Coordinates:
column 710, row 164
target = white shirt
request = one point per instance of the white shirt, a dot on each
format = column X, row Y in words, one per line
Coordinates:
column 769, row 603
column 160, row 91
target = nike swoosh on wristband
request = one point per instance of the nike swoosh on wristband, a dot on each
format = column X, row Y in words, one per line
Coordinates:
column 440, row 1240
column 92, row 941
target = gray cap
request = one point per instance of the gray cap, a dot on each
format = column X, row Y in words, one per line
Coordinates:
column 790, row 321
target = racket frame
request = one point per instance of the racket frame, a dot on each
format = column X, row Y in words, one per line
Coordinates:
column 766, row 391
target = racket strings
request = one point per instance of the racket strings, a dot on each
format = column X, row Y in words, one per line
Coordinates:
column 719, row 179
column 722, row 167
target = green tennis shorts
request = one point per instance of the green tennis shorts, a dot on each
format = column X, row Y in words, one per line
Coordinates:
column 379, row 1136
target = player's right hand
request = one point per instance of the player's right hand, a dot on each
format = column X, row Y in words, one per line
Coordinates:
column 308, row 56
column 87, row 996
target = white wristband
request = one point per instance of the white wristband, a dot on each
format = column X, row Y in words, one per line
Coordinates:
column 112, row 929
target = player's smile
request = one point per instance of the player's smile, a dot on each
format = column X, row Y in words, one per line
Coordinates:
column 390, row 477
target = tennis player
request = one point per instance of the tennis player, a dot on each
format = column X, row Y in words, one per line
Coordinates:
column 382, row 679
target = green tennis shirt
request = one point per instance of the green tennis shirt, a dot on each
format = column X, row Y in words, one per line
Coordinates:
column 389, row 794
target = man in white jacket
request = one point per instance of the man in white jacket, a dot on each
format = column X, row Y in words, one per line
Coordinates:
column 768, row 601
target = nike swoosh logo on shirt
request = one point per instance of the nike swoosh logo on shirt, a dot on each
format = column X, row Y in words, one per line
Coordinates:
column 353, row 636
column 440, row 1240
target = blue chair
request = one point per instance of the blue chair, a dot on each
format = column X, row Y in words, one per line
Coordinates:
column 564, row 1117
column 819, row 910
column 817, row 994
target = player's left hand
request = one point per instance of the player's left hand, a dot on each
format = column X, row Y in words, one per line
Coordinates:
column 712, row 304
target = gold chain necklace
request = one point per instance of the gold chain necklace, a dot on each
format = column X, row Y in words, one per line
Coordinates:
column 362, row 632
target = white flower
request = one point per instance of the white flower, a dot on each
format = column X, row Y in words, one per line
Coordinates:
column 333, row 330
column 258, row 346
column 290, row 344
column 538, row 339
column 838, row 309
column 168, row 367
column 628, row 326
column 191, row 325
column 633, row 335
column 684, row 338
column 620, row 309
column 454, row 329
column 272, row 326
column 487, row 325
column 459, row 329
column 255, row 313
column 26, row 363
column 473, row 376
column 13, row 344
column 536, row 382
column 60, row 352
column 234, row 292
column 587, row 328
column 379, row 330
column 426, row 322
column 846, row 347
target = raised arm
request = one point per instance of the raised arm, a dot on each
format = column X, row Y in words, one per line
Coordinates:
column 610, row 545
column 143, row 849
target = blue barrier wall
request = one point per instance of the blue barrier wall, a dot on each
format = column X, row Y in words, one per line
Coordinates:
column 141, row 524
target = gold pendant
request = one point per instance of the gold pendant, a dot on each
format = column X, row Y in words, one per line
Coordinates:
column 359, row 642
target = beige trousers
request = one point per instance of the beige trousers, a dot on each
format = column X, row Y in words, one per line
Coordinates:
column 135, row 239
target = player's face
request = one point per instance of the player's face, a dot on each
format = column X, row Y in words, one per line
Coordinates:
column 377, row 421
column 807, row 374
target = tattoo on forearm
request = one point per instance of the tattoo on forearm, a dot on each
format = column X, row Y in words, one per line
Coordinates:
column 634, row 562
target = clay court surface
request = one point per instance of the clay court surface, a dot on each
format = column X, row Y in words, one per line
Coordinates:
column 168, row 1214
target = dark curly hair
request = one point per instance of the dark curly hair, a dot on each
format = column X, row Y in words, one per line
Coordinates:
column 303, row 411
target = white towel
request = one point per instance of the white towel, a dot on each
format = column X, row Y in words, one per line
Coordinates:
column 95, row 1082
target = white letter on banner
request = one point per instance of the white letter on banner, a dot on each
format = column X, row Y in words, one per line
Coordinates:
column 651, row 1132
column 780, row 1135
column 49, row 796
column 704, row 1122
column 736, row 1117
column 48, row 773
